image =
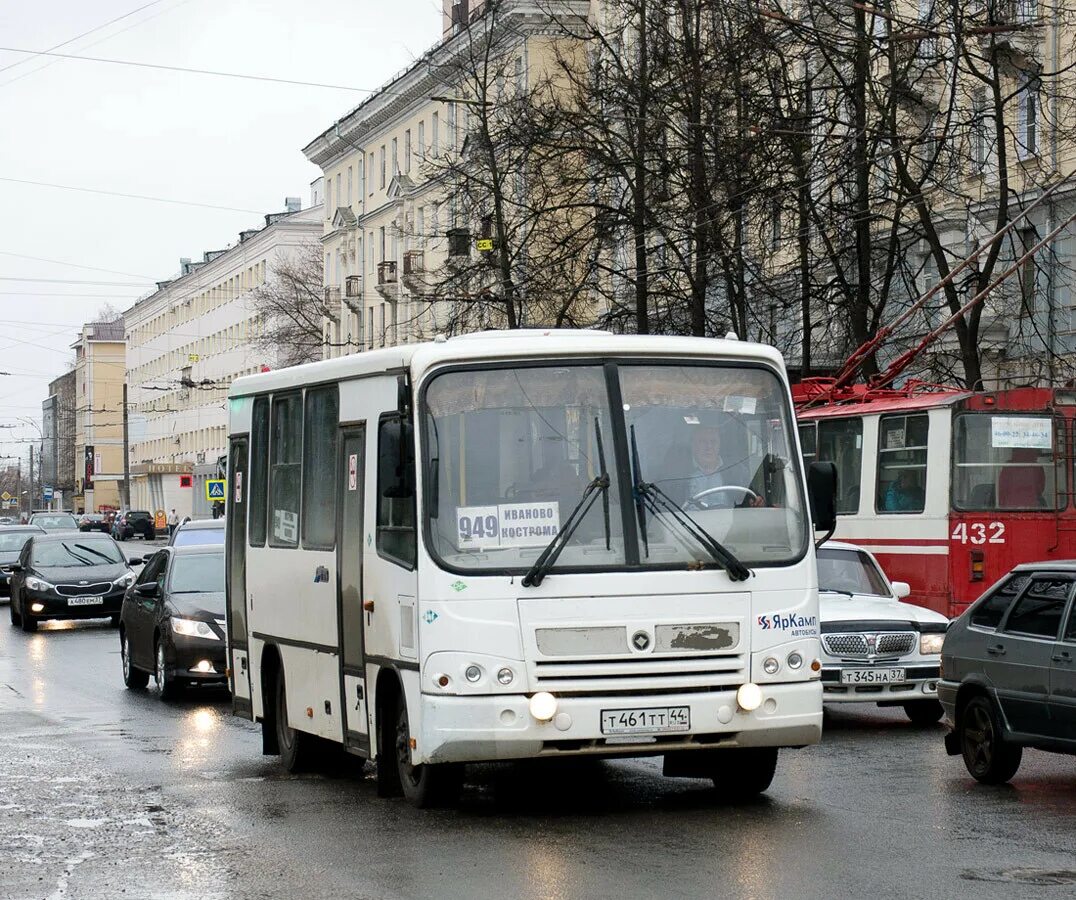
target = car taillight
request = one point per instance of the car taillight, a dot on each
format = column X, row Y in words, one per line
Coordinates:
column 977, row 565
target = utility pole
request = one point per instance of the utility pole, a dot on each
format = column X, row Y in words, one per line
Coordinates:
column 31, row 509
column 126, row 495
column 18, row 490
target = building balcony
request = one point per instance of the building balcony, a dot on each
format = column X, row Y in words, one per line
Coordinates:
column 387, row 285
column 414, row 268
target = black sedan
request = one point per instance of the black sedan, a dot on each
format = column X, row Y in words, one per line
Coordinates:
column 172, row 623
column 12, row 539
column 137, row 521
column 94, row 522
column 68, row 576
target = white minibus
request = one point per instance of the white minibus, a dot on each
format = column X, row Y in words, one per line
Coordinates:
column 526, row 544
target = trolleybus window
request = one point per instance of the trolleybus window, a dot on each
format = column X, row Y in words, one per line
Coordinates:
column 285, row 457
column 839, row 441
column 319, row 467
column 510, row 453
column 1004, row 461
column 259, row 470
column 902, row 464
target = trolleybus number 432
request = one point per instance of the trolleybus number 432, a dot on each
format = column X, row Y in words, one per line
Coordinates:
column 979, row 533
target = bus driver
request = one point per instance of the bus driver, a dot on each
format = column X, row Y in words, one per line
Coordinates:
column 709, row 471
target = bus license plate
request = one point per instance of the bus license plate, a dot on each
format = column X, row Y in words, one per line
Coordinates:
column 84, row 601
column 646, row 720
column 872, row 676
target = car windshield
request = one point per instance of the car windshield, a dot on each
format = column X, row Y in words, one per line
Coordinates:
column 510, row 452
column 188, row 536
column 201, row 573
column 15, row 540
column 76, row 552
column 54, row 521
column 849, row 572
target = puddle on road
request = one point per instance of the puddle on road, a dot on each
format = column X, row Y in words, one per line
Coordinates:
column 1023, row 876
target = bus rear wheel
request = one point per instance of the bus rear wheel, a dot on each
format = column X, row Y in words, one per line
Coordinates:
column 424, row 786
column 744, row 773
column 297, row 748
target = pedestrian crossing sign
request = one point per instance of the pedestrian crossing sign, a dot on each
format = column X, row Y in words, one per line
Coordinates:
column 216, row 489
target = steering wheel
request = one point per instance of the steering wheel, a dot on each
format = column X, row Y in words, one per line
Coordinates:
column 695, row 501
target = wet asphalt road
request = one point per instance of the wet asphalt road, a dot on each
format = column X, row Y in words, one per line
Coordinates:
column 107, row 793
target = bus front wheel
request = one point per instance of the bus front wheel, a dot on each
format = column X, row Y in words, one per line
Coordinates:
column 743, row 774
column 426, row 785
column 296, row 747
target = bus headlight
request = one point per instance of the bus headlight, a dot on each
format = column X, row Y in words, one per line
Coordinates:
column 795, row 660
column 505, row 675
column 931, row 644
column 770, row 666
column 473, row 674
column 543, row 706
column 748, row 697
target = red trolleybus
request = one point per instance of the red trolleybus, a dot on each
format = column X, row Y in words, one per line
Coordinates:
column 950, row 488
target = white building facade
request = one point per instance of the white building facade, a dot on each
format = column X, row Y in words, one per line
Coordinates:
column 186, row 343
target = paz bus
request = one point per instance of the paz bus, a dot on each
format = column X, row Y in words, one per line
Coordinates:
column 949, row 488
column 527, row 544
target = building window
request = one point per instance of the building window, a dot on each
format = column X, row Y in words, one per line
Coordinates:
column 328, row 199
column 407, row 150
column 421, row 140
column 395, row 159
column 1027, row 116
column 381, row 160
column 383, row 326
column 349, row 185
column 371, row 177
column 435, row 136
column 453, row 138
column 319, row 465
column 339, row 192
column 520, row 83
column 420, row 226
column 381, row 243
column 370, row 328
column 362, row 173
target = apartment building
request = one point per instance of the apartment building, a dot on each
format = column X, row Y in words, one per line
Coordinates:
column 100, row 365
column 186, row 342
column 58, row 440
column 391, row 221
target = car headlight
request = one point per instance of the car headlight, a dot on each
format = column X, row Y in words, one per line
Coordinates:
column 37, row 584
column 125, row 580
column 193, row 628
column 931, row 644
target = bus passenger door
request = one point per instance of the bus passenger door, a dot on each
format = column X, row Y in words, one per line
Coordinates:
column 349, row 549
column 235, row 524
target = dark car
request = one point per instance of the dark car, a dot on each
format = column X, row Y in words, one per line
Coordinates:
column 1009, row 671
column 12, row 539
column 172, row 622
column 54, row 522
column 198, row 531
column 94, row 522
column 137, row 521
column 68, row 576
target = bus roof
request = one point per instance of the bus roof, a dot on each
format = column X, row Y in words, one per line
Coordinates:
column 500, row 345
column 882, row 405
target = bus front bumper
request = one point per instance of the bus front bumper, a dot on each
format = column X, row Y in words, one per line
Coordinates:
column 484, row 728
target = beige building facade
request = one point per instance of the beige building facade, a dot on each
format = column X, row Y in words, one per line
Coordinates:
column 100, row 367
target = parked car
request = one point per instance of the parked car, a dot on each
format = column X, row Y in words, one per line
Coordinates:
column 68, row 576
column 12, row 539
column 875, row 648
column 7, row 520
column 54, row 522
column 94, row 522
column 198, row 531
column 1009, row 666
column 172, row 621
column 127, row 524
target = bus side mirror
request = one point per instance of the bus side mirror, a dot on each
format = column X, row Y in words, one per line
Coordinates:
column 822, row 495
column 396, row 459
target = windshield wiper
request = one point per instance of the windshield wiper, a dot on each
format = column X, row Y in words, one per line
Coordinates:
column 81, row 559
column 103, row 556
column 825, row 590
column 598, row 485
column 650, row 496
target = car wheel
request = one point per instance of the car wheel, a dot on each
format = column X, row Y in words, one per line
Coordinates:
column 426, row 785
column 988, row 758
column 167, row 687
column 297, row 748
column 135, row 679
column 924, row 712
column 745, row 773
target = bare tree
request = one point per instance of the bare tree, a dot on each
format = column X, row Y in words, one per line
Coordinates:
column 291, row 308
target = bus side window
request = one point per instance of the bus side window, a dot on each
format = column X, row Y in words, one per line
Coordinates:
column 285, row 460
column 258, row 478
column 396, row 538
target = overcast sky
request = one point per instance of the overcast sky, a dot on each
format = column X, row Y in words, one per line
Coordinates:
column 221, row 141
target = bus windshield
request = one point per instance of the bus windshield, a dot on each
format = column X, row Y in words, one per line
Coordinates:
column 510, row 452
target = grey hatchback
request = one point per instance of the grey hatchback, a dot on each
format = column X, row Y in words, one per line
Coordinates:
column 1009, row 671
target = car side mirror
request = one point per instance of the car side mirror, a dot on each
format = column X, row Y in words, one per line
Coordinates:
column 149, row 589
column 17, row 567
column 901, row 589
column 822, row 495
